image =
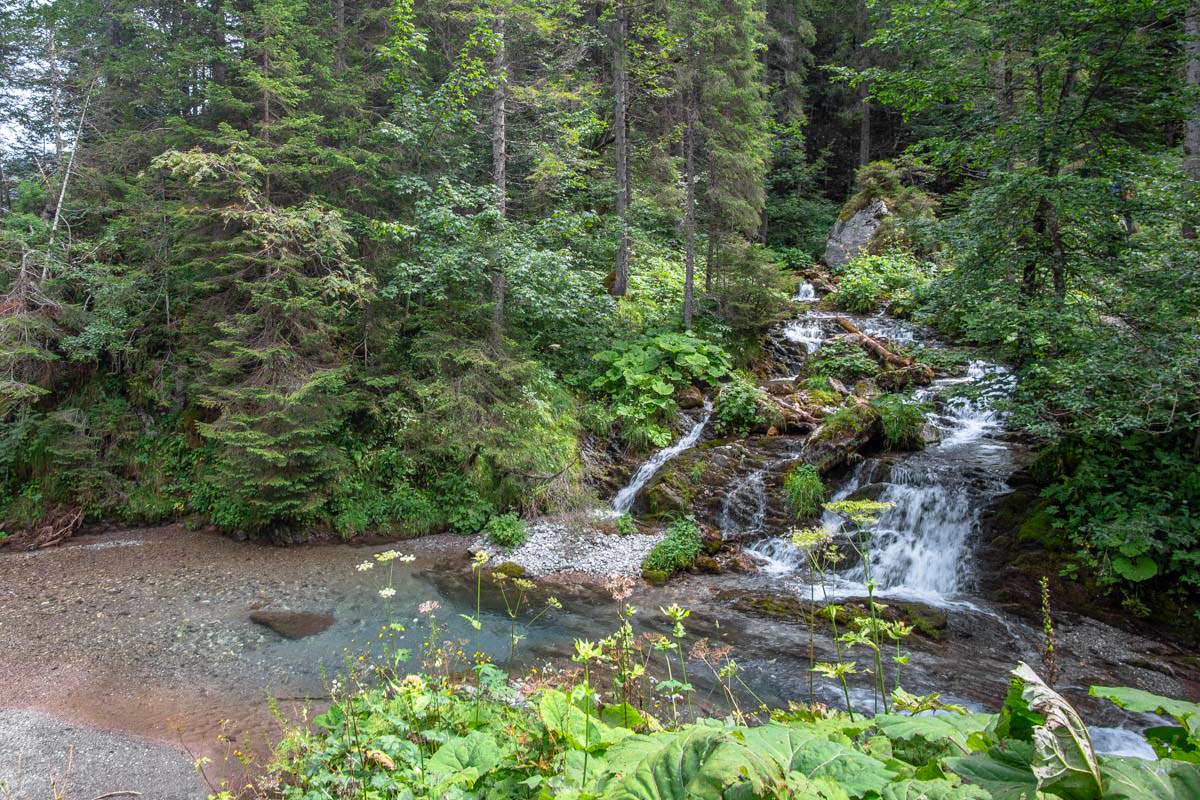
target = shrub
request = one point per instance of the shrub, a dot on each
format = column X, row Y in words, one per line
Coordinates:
column 902, row 421
column 821, row 392
column 869, row 280
column 642, row 377
column 843, row 360
column 737, row 408
column 804, row 490
column 678, row 551
column 505, row 530
column 625, row 525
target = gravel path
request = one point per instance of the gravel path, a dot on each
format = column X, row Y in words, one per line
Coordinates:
column 578, row 548
column 42, row 757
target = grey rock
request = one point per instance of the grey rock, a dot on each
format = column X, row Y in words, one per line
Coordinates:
column 850, row 237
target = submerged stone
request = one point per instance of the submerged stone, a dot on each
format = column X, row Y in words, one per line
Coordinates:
column 292, row 624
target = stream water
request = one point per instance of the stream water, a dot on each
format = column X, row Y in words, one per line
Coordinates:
column 148, row 632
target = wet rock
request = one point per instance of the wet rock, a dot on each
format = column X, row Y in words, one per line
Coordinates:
column 841, row 436
column 712, row 540
column 871, row 491
column 292, row 624
column 740, row 564
column 852, row 236
column 930, row 435
column 689, row 397
column 708, row 565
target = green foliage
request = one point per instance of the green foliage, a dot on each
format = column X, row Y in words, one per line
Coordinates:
column 805, row 491
column 902, row 421
column 868, row 280
column 738, row 407
column 625, row 525
column 842, row 360
column 679, row 549
column 505, row 530
column 642, row 377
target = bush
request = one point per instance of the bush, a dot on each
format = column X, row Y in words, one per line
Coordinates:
column 678, row 551
column 843, row 360
column 737, row 408
column 506, row 530
column 869, row 280
column 642, row 377
column 804, row 490
column 902, row 421
column 625, row 525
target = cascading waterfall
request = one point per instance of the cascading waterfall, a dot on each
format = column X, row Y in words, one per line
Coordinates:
column 807, row 332
column 807, row 293
column 919, row 546
column 623, row 500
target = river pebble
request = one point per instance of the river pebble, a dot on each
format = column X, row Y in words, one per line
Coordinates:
column 577, row 547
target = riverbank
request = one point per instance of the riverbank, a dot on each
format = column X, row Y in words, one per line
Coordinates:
column 147, row 634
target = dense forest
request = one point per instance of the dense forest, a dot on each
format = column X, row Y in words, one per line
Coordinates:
column 290, row 266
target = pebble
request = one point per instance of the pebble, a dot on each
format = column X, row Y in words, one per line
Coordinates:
column 552, row 547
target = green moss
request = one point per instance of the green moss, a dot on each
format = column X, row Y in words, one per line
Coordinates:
column 1038, row 527
column 847, row 420
column 510, row 569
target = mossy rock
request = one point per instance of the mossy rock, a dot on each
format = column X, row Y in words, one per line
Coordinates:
column 707, row 565
column 510, row 569
column 1038, row 527
column 656, row 576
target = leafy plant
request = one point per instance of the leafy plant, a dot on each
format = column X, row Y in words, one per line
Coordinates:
column 678, row 550
column 642, row 377
column 805, row 491
column 506, row 530
column 902, row 421
column 738, row 407
column 842, row 360
column 868, row 280
column 625, row 525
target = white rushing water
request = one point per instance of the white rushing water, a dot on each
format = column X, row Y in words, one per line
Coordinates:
column 807, row 332
column 807, row 293
column 919, row 547
column 623, row 500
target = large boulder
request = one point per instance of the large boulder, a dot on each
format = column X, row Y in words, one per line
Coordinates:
column 852, row 236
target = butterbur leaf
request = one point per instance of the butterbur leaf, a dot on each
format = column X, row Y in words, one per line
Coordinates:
column 933, row 790
column 1064, row 760
column 1185, row 713
column 1137, row 569
column 1003, row 772
column 1138, row 779
column 699, row 763
column 795, row 749
column 940, row 730
column 465, row 759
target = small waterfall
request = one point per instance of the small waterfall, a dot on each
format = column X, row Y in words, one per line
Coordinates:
column 623, row 500
column 807, row 332
column 807, row 293
column 919, row 546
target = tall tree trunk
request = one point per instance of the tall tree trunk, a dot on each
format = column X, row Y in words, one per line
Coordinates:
column 1050, row 244
column 624, row 191
column 1002, row 86
column 1191, row 133
column 499, row 165
column 708, row 259
column 861, row 21
column 339, row 21
column 217, row 65
column 689, row 217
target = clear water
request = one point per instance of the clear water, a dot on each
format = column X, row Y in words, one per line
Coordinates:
column 623, row 500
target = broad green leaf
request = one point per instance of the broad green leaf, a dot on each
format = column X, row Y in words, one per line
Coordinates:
column 933, row 790
column 1138, row 779
column 1064, row 761
column 622, row 715
column 466, row 758
column 938, row 729
column 583, row 732
column 699, row 763
column 1138, row 569
column 1003, row 772
column 1185, row 713
column 796, row 750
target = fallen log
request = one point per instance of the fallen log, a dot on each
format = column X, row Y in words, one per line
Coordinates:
column 874, row 347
